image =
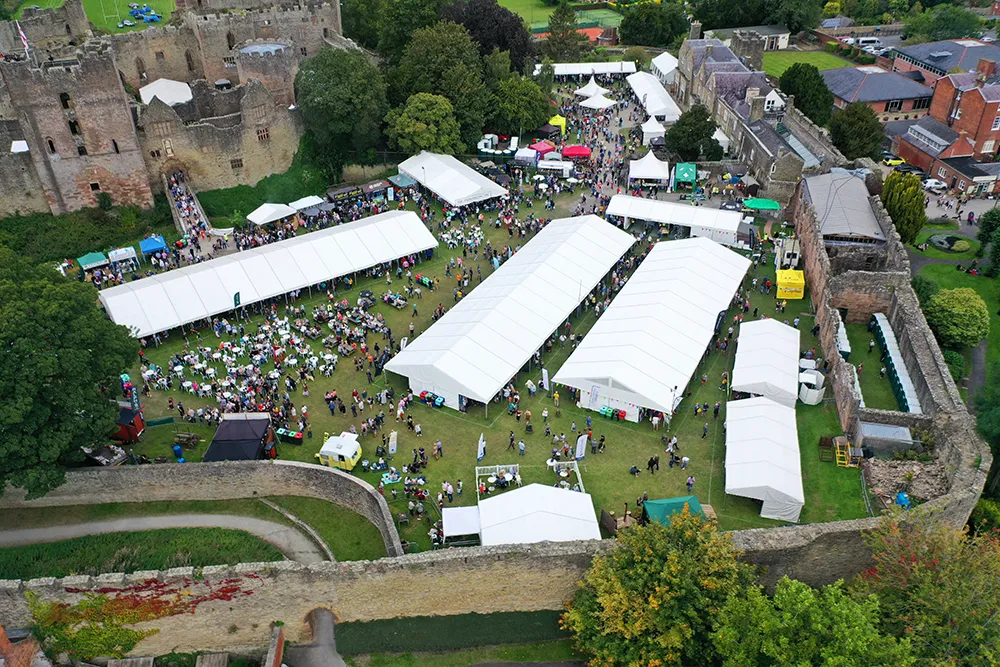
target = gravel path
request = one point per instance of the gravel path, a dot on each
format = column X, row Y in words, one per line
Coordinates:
column 293, row 544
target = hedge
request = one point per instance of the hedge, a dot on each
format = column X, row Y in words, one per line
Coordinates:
column 447, row 633
column 956, row 364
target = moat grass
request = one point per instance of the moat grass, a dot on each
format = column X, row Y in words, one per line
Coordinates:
column 876, row 391
column 134, row 551
column 349, row 535
column 552, row 651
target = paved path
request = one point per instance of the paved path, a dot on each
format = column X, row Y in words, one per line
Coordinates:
column 293, row 544
column 322, row 652
column 919, row 260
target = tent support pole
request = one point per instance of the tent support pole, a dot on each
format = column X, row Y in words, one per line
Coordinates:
column 486, row 405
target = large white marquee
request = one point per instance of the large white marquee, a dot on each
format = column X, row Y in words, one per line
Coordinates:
column 654, row 97
column 192, row 293
column 715, row 223
column 767, row 361
column 450, row 179
column 481, row 343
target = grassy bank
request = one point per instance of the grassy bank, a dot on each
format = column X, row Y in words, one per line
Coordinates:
column 555, row 651
column 348, row 534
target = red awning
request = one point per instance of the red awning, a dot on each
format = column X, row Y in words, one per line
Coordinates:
column 543, row 147
column 576, row 151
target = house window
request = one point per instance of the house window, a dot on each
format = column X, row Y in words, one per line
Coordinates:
column 65, row 100
column 236, row 163
column 989, row 146
column 957, row 114
column 168, row 147
column 161, row 129
column 263, row 134
column 258, row 112
column 114, row 146
column 922, row 103
column 229, row 62
column 81, row 150
column 996, row 124
column 230, row 41
column 942, row 173
column 95, row 187
column 894, row 105
column 154, row 153
column 961, row 185
column 52, row 146
column 160, row 56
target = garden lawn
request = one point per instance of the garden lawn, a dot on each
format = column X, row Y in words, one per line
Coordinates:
column 876, row 391
column 937, row 253
column 948, row 277
column 776, row 62
column 348, row 534
column 556, row 651
column 532, row 11
column 134, row 551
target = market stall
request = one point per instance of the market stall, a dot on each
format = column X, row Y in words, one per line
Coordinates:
column 652, row 129
column 92, row 260
column 649, row 168
column 151, row 245
column 791, row 284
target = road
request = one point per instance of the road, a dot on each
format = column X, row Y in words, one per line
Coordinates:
column 293, row 544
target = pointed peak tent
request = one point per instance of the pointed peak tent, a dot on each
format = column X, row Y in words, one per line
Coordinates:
column 558, row 121
column 648, row 168
column 591, row 89
column 598, row 102
column 652, row 129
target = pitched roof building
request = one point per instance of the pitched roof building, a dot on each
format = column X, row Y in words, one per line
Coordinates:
column 889, row 94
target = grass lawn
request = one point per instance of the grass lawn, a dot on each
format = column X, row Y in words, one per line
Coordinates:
column 876, row 391
column 130, row 552
column 348, row 534
column 940, row 224
column 106, row 14
column 776, row 62
column 532, row 11
column 557, row 651
column 605, row 476
column 938, row 253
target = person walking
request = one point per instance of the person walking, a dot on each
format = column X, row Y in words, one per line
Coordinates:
column 520, row 447
column 684, row 462
column 704, row 431
column 510, row 445
column 650, row 465
column 690, row 483
column 715, row 410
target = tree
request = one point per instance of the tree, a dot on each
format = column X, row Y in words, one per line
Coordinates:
column 924, row 287
column 496, row 69
column 812, row 97
column 805, row 626
column 989, row 222
column 564, row 43
column 987, row 403
column 797, row 15
column 903, row 199
column 994, row 268
column 470, row 99
column 831, row 9
column 958, row 317
column 546, row 77
column 58, row 374
column 342, row 98
column 426, row 123
column 636, row 54
column 692, row 134
column 942, row 22
column 653, row 598
column 520, row 106
column 644, row 25
column 401, row 19
column 856, row 131
column 937, row 587
column 363, row 20
column 728, row 14
column 492, row 27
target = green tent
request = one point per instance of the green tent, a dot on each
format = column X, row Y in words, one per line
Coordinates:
column 92, row 260
column 762, row 204
column 687, row 172
column 661, row 510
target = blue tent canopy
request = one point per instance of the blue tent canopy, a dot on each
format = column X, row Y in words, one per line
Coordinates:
column 152, row 244
column 402, row 181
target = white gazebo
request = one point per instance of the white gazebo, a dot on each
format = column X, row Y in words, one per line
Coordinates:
column 652, row 129
column 591, row 89
column 537, row 513
column 168, row 91
column 722, row 138
column 648, row 168
column 762, row 457
column 267, row 213
column 598, row 101
column 460, row 521
column 306, row 202
column 664, row 67
column 767, row 361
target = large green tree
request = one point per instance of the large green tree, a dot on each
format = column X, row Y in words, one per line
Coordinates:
column 654, row 25
column 805, row 626
column 988, row 223
column 425, row 123
column 400, row 20
column 520, row 106
column 987, row 403
column 343, row 99
column 958, row 317
column 363, row 20
column 691, row 136
column 903, row 198
column 937, row 587
column 812, row 97
column 653, row 599
column 546, row 78
column 58, row 373
column 856, row 131
column 994, row 268
column 492, row 27
column 942, row 22
column 564, row 43
column 797, row 15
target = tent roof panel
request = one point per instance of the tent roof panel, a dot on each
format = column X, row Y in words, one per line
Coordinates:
column 767, row 361
column 665, row 212
column 451, row 180
column 572, row 69
column 653, row 96
column 537, row 513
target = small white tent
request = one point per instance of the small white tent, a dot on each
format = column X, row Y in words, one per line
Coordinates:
column 460, row 521
column 537, row 513
column 664, row 67
column 767, row 361
column 591, row 89
column 168, row 91
column 762, row 457
column 648, row 168
column 266, row 213
column 651, row 129
column 598, row 101
column 722, row 138
column 306, row 202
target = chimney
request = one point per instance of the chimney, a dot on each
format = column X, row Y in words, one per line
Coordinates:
column 751, row 94
column 986, row 68
column 695, row 30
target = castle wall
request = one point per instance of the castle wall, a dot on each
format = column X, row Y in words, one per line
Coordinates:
column 46, row 28
column 275, row 70
column 20, row 189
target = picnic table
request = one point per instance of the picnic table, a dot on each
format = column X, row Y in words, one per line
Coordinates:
column 188, row 440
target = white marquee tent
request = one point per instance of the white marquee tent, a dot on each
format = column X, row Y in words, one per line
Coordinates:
column 484, row 339
column 306, row 202
column 664, row 67
column 168, row 91
column 767, row 361
column 451, row 180
column 654, row 97
column 267, row 213
column 460, row 521
column 194, row 292
column 537, row 513
column 715, row 223
column 651, row 129
column 648, row 168
column 573, row 69
column 722, row 138
column 598, row 101
column 762, row 457
column 591, row 89
column 644, row 349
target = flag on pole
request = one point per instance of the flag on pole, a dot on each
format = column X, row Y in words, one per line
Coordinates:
column 482, row 448
column 581, row 446
column 24, row 38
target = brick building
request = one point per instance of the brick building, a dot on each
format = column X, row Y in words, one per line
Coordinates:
column 890, row 95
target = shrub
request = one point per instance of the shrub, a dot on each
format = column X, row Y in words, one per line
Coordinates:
column 956, row 364
column 104, row 201
column 985, row 515
column 960, row 246
column 832, row 47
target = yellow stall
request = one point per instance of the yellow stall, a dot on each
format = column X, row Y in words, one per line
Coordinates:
column 560, row 122
column 791, row 284
column 341, row 451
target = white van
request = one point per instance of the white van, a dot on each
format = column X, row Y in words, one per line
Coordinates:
column 864, row 42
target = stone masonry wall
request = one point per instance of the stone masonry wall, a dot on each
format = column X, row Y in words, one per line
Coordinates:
column 815, row 138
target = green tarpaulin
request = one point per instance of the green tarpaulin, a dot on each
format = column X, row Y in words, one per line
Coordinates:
column 92, row 260
column 687, row 172
column 762, row 204
column 661, row 510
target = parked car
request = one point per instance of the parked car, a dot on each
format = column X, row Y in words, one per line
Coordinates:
column 893, row 161
column 934, row 185
column 906, row 168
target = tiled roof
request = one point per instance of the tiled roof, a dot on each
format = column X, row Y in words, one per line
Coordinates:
column 963, row 54
column 763, row 30
column 770, row 138
column 872, row 84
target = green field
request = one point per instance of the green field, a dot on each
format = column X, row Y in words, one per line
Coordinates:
column 938, row 253
column 106, row 14
column 557, row 651
column 532, row 11
column 131, row 552
column 876, row 391
column 775, row 63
